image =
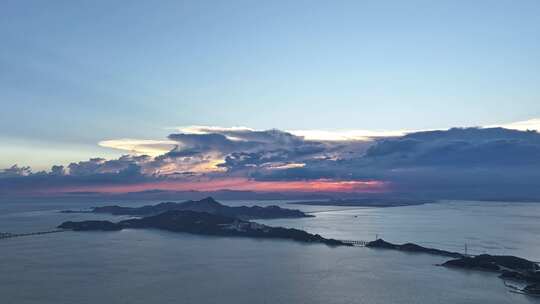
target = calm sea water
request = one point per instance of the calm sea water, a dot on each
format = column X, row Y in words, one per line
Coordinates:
column 150, row 266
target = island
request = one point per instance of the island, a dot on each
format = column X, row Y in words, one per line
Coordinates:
column 366, row 202
column 493, row 263
column 411, row 247
column 510, row 268
column 203, row 223
column 208, row 205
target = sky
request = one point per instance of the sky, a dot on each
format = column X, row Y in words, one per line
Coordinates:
column 78, row 78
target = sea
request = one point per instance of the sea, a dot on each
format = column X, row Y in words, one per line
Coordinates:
column 152, row 266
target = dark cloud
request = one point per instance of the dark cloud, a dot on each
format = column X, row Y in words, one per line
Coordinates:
column 93, row 172
column 207, row 142
column 457, row 163
column 460, row 147
column 271, row 158
column 15, row 171
column 100, row 165
column 229, row 141
column 460, row 163
column 42, row 182
column 58, row 170
column 244, row 149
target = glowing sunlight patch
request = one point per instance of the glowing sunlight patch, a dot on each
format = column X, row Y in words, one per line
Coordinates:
column 140, row 146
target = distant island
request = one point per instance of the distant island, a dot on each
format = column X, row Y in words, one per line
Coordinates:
column 367, row 202
column 208, row 205
column 203, row 223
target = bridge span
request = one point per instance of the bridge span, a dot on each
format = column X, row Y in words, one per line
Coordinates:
column 358, row 243
column 7, row 235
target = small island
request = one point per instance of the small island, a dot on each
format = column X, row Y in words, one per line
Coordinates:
column 203, row 223
column 208, row 205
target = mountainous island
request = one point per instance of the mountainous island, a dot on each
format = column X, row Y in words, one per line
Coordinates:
column 208, row 205
column 203, row 223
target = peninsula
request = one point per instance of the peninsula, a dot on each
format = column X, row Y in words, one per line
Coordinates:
column 203, row 223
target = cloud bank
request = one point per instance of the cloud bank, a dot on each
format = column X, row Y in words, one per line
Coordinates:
column 475, row 163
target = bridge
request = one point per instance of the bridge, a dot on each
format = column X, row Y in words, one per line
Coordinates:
column 358, row 243
column 6, row 235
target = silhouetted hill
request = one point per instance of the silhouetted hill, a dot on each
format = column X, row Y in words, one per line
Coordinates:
column 208, row 205
column 411, row 247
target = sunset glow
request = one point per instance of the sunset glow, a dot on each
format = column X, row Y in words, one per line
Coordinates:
column 242, row 184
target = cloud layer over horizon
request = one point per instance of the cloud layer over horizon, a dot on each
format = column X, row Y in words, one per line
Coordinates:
column 455, row 163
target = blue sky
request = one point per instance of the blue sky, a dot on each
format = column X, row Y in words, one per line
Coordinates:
column 73, row 73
